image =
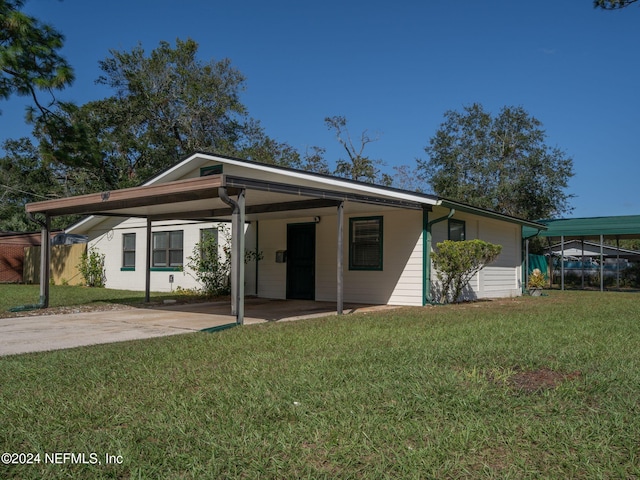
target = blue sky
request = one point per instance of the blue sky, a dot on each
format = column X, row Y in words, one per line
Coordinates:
column 395, row 68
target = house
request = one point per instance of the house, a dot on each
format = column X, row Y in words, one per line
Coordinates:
column 321, row 237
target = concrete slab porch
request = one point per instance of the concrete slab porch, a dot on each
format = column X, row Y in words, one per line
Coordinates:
column 37, row 333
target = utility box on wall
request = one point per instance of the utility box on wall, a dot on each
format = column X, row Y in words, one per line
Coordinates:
column 281, row 256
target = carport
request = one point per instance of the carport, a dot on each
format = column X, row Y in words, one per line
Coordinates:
column 218, row 197
column 595, row 229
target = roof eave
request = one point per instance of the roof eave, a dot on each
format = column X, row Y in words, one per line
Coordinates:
column 463, row 207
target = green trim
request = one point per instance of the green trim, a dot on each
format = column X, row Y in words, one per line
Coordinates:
column 127, row 269
column 211, row 170
column 165, row 269
column 219, row 328
column 380, row 265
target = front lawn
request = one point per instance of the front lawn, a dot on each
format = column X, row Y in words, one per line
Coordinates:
column 545, row 387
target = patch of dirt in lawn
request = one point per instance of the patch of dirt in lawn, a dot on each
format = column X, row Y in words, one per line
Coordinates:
column 533, row 381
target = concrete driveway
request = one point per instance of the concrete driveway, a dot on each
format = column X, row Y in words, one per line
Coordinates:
column 35, row 333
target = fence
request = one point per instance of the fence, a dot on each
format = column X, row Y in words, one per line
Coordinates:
column 64, row 264
column 11, row 263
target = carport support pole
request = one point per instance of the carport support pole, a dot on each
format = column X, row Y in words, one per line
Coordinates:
column 339, row 260
column 562, row 262
column 147, row 273
column 240, row 259
column 601, row 263
column 237, row 252
column 45, row 260
column 617, row 261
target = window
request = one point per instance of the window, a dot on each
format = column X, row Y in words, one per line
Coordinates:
column 365, row 243
column 167, row 249
column 129, row 250
column 456, row 230
column 207, row 234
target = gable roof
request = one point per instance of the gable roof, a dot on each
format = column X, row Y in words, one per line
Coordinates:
column 180, row 189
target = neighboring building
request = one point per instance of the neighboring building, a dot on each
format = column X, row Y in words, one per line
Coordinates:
column 292, row 218
column 581, row 256
column 584, row 238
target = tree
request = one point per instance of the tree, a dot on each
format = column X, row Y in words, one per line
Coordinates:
column 313, row 161
column 257, row 146
column 357, row 166
column 457, row 262
column 29, row 57
column 500, row 163
column 24, row 178
column 612, row 4
column 166, row 105
column 406, row 178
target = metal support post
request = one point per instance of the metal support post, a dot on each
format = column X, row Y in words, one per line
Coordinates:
column 339, row 261
column 45, row 260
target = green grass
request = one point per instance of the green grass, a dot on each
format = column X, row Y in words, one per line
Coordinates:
column 13, row 295
column 430, row 392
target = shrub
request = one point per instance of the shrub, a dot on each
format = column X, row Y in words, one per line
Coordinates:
column 537, row 279
column 457, row 262
column 92, row 268
column 631, row 275
column 211, row 267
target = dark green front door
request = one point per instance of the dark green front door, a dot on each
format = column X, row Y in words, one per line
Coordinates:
column 301, row 261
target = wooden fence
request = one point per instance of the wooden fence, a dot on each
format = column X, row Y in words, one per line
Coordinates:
column 64, row 264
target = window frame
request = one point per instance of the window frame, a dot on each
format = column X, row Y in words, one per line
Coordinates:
column 167, row 265
column 353, row 245
column 456, row 222
column 126, row 267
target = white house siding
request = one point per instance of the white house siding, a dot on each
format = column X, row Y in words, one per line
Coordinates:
column 107, row 238
column 399, row 283
column 501, row 278
column 272, row 236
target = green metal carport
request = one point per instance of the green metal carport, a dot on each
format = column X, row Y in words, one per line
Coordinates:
column 588, row 228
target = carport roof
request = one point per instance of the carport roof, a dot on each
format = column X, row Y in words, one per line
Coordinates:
column 627, row 226
column 200, row 198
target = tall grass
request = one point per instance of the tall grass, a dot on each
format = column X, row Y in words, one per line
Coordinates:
column 411, row 393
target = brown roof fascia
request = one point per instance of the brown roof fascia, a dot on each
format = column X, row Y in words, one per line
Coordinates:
column 170, row 192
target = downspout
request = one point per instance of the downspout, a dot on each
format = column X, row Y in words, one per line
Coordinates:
column 237, row 253
column 426, row 257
